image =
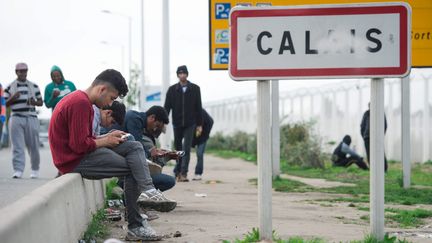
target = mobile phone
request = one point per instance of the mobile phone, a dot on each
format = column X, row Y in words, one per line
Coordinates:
column 126, row 136
column 180, row 153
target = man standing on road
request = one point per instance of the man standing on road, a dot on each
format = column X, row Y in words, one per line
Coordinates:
column 184, row 99
column 75, row 149
column 22, row 96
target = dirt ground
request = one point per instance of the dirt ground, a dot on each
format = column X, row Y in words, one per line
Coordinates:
column 224, row 206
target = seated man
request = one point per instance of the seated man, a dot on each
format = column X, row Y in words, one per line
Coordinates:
column 145, row 127
column 75, row 150
column 108, row 116
column 344, row 156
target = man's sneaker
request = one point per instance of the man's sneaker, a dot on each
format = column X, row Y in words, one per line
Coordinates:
column 34, row 174
column 197, row 178
column 145, row 233
column 182, row 178
column 17, row 174
column 155, row 200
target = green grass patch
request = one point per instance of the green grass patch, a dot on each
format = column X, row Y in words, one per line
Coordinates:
column 408, row 218
column 97, row 229
column 254, row 236
column 109, row 189
column 403, row 218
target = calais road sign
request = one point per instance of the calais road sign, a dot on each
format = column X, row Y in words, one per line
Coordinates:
column 320, row 41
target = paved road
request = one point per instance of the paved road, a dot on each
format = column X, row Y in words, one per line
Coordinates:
column 13, row 189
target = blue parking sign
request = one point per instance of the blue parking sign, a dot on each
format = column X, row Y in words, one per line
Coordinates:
column 221, row 56
column 222, row 10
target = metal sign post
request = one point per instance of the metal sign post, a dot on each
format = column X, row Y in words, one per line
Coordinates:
column 275, row 128
column 377, row 158
column 406, row 137
column 264, row 160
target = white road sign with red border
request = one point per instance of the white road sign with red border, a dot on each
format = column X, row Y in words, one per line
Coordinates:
column 320, row 41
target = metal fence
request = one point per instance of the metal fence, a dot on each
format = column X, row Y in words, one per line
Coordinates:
column 337, row 110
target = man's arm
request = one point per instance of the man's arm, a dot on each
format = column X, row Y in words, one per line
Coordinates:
column 198, row 108
column 167, row 104
column 81, row 140
column 135, row 127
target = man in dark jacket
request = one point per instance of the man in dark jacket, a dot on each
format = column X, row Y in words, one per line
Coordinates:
column 200, row 143
column 365, row 133
column 344, row 156
column 184, row 99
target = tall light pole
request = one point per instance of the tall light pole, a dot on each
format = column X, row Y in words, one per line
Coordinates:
column 165, row 62
column 122, row 52
column 142, row 86
column 129, row 18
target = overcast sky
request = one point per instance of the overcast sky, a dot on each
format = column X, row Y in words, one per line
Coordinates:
column 68, row 33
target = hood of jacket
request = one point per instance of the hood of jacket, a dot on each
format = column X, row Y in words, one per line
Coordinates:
column 56, row 68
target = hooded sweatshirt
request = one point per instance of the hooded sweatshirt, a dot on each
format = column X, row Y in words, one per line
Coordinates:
column 65, row 87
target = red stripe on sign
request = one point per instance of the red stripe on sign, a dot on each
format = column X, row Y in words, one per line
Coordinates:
column 325, row 72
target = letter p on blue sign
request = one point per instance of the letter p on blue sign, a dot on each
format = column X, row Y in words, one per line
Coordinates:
column 222, row 10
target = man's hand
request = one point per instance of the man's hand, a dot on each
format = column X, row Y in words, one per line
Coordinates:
column 55, row 93
column 157, row 152
column 16, row 96
column 198, row 131
column 111, row 140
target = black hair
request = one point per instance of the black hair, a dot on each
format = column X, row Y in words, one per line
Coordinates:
column 113, row 78
column 347, row 139
column 118, row 111
column 159, row 112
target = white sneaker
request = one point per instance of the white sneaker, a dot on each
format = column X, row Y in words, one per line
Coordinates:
column 197, row 178
column 17, row 174
column 34, row 174
column 154, row 199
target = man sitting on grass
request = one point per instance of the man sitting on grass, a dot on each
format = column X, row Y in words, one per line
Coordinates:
column 344, row 156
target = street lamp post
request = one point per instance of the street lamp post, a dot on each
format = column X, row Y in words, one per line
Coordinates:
column 129, row 18
column 122, row 52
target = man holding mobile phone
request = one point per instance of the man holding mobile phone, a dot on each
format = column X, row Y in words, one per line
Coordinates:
column 22, row 96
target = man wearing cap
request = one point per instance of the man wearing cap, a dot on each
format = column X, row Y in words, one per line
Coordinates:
column 184, row 99
column 22, row 96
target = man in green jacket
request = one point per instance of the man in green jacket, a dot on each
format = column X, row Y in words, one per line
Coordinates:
column 58, row 88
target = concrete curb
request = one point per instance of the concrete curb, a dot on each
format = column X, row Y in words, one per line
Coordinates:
column 59, row 211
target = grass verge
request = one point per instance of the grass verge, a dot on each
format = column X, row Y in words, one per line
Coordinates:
column 419, row 193
column 97, row 229
column 254, row 236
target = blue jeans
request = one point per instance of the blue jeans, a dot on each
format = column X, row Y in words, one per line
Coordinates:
column 163, row 182
column 200, row 149
column 183, row 141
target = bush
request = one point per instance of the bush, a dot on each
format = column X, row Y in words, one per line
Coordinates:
column 299, row 146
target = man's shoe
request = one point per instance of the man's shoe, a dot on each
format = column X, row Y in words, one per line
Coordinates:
column 155, row 200
column 182, row 178
column 17, row 174
column 34, row 174
column 197, row 178
column 146, row 233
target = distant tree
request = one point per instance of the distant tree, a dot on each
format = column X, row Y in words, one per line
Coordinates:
column 132, row 98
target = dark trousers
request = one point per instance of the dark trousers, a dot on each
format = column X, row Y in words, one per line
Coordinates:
column 183, row 141
column 367, row 144
column 127, row 160
column 200, row 149
column 346, row 162
column 162, row 181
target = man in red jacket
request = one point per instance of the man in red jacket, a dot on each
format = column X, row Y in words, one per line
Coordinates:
column 75, row 149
